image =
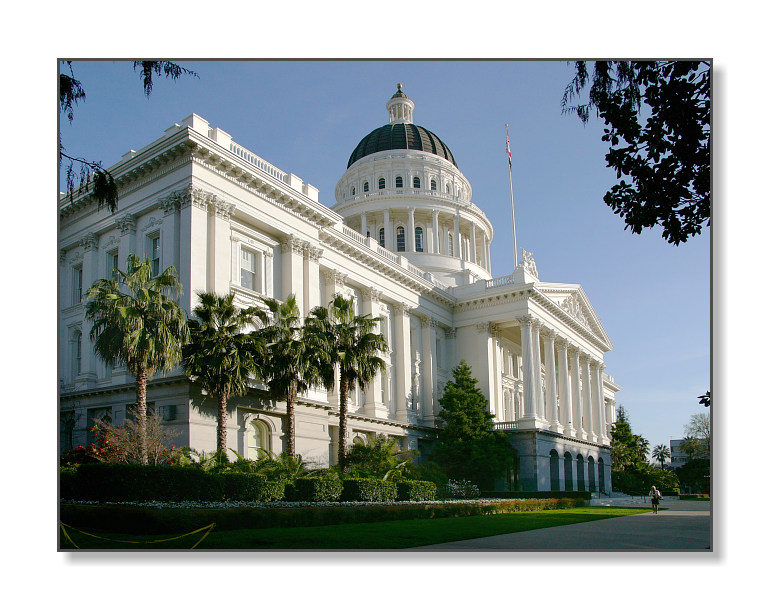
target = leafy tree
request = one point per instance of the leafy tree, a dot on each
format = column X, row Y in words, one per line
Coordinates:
column 668, row 158
column 705, row 400
column 142, row 327
column 291, row 366
column 699, row 428
column 93, row 177
column 351, row 346
column 469, row 447
column 661, row 453
column 628, row 456
column 220, row 355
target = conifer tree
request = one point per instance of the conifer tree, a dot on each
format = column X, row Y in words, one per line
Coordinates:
column 469, row 447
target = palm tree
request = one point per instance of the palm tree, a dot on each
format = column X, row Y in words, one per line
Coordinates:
column 290, row 366
column 220, row 356
column 136, row 321
column 661, row 453
column 350, row 343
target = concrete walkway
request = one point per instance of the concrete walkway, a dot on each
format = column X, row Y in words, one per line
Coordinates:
column 682, row 526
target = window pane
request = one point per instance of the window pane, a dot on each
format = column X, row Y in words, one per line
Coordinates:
column 418, row 239
column 400, row 239
column 382, row 183
column 416, row 182
column 382, row 237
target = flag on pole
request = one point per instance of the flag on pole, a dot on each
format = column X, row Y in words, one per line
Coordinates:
column 508, row 146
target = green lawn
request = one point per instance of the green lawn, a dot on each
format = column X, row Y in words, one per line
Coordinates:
column 380, row 535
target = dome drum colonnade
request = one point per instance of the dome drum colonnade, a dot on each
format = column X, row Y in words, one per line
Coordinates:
column 403, row 188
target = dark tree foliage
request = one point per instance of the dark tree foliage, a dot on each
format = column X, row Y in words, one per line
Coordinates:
column 92, row 177
column 469, row 447
column 659, row 130
column 705, row 400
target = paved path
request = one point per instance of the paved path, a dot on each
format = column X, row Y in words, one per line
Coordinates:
column 685, row 526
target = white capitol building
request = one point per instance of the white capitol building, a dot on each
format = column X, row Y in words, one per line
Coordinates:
column 404, row 239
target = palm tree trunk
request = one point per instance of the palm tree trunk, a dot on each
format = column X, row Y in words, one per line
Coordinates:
column 343, row 422
column 222, row 424
column 290, row 398
column 141, row 414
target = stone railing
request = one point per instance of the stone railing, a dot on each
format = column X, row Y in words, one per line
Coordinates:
column 257, row 162
column 496, row 282
column 506, row 425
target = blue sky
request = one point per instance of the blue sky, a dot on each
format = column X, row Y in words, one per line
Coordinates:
column 307, row 116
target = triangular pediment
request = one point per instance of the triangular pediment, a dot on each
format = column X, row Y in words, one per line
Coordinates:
column 572, row 300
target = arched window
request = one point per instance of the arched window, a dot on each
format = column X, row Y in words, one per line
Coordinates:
column 447, row 187
column 399, row 182
column 568, row 484
column 418, row 239
column 381, row 183
column 382, row 237
column 77, row 353
column 554, row 463
column 366, row 187
column 451, row 248
column 416, row 182
column 257, row 437
column 433, row 185
column 353, row 191
column 400, row 239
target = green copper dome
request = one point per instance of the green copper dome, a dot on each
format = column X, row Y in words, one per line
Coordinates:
column 400, row 136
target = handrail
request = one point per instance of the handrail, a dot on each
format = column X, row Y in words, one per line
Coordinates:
column 257, row 162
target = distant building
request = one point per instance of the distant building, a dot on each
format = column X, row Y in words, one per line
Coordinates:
column 403, row 239
column 678, row 457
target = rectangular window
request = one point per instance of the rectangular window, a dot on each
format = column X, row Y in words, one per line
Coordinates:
column 112, row 265
column 170, row 413
column 249, row 270
column 77, row 285
column 155, row 255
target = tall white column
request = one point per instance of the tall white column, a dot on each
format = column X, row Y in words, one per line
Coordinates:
column 565, row 400
column 598, row 395
column 169, row 240
column 311, row 287
column 193, row 227
column 473, row 243
column 530, row 404
column 550, row 382
column 536, row 367
column 373, row 405
column 456, row 236
column 588, row 420
column 428, row 368
column 388, row 230
column 364, row 227
column 410, row 247
column 90, row 273
column 293, row 271
column 220, row 246
column 403, row 350
column 436, row 248
column 577, row 403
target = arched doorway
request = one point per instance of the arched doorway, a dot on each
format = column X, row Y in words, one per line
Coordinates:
column 581, row 474
column 602, row 482
column 568, row 483
column 591, row 473
column 555, row 486
column 257, row 437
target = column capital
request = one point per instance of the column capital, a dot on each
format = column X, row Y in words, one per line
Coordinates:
column 525, row 320
column 291, row 243
column 127, row 224
column 402, row 309
column 312, row 253
column 89, row 242
column 560, row 341
column 170, row 203
column 371, row 294
column 221, row 208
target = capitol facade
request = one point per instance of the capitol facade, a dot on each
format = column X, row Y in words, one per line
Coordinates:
column 404, row 239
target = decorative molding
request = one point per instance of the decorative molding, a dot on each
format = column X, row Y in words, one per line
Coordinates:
column 371, row 294
column 573, row 307
column 312, row 253
column 90, row 242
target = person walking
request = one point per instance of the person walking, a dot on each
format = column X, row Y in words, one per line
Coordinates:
column 655, row 497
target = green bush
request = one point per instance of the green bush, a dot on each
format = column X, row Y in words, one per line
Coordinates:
column 249, row 487
column 576, row 495
column 315, row 489
column 368, row 490
column 416, row 491
column 111, row 482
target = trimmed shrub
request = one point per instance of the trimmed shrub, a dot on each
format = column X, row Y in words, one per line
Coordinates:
column 111, row 482
column 249, row 487
column 368, row 490
column 315, row 489
column 416, row 491
column 577, row 495
column 461, row 490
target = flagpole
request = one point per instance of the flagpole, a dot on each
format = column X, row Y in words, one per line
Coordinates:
column 510, row 181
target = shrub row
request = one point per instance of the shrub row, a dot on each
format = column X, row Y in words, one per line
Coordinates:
column 694, row 497
column 575, row 495
column 139, row 520
column 108, row 482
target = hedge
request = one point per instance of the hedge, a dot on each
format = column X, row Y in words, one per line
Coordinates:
column 513, row 495
column 109, row 482
column 416, row 491
column 140, row 520
column 368, row 490
column 314, row 489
